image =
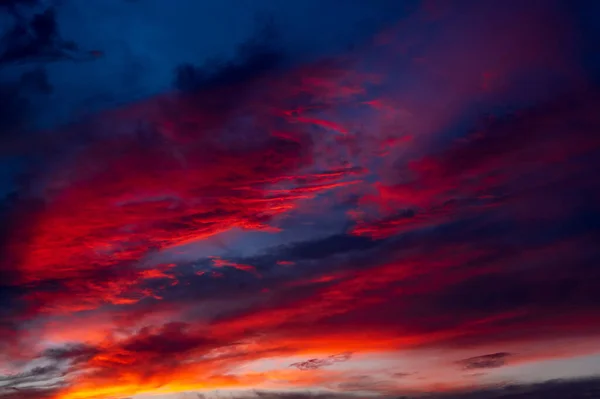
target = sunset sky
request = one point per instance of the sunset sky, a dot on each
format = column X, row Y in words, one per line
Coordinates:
column 312, row 199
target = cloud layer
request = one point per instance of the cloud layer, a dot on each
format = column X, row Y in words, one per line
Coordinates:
column 413, row 214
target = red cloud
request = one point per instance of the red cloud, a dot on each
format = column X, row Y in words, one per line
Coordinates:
column 193, row 176
column 484, row 241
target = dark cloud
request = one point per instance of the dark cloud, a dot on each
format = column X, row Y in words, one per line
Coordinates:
column 554, row 389
column 75, row 353
column 169, row 340
column 493, row 360
column 28, row 393
column 324, row 247
column 340, row 251
column 256, row 57
column 13, row 3
column 296, row 395
column 313, row 364
column 367, row 383
column 38, row 39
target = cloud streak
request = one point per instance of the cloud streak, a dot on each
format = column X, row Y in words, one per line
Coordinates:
column 492, row 360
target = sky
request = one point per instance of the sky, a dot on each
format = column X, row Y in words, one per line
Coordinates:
column 326, row 199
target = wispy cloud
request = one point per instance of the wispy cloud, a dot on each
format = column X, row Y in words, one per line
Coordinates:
column 428, row 195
